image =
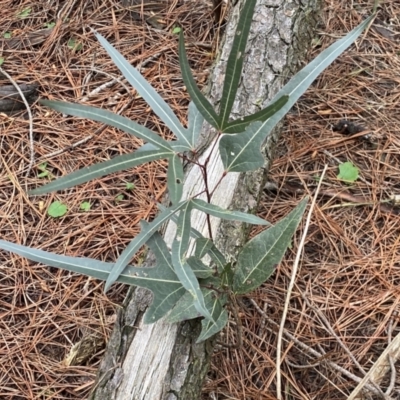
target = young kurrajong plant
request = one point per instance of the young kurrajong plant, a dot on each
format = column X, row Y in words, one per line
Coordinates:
column 188, row 285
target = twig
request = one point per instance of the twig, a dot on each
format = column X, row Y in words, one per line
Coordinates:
column 289, row 291
column 329, row 328
column 316, row 354
column 18, row 89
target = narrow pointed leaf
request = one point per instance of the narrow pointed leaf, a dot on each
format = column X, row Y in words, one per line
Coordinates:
column 192, row 133
column 182, row 269
column 148, row 230
column 195, row 124
column 230, row 215
column 300, row 82
column 161, row 279
column 198, row 98
column 259, row 257
column 239, row 125
column 235, row 61
column 217, row 257
column 111, row 119
column 208, row 328
column 153, row 99
column 175, row 179
column 201, row 270
column 119, row 163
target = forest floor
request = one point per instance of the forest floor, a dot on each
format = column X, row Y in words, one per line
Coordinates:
column 346, row 298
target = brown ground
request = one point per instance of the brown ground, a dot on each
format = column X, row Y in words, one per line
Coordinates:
column 350, row 272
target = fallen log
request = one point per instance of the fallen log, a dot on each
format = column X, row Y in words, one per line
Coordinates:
column 163, row 361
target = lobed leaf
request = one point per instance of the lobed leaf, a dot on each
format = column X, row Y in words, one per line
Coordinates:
column 147, row 231
column 185, row 309
column 259, row 257
column 242, row 152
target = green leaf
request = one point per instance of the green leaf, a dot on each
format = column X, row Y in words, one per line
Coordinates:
column 85, row 206
column 74, row 45
column 202, row 104
column 203, row 246
column 192, row 133
column 199, row 268
column 220, row 316
column 182, row 269
column 176, row 30
column 86, row 174
column 25, row 12
column 230, row 215
column 130, row 186
column 348, row 172
column 216, row 256
column 49, row 25
column 239, row 125
column 153, row 99
column 1, row 61
column 185, row 309
column 242, row 152
column 227, row 275
column 259, row 257
column 161, row 279
column 175, row 178
column 304, row 78
column 57, row 209
column 7, row 35
column 167, row 291
column 147, row 231
column 111, row 119
column 235, row 62
column 118, row 198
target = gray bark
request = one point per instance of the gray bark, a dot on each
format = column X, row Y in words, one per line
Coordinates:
column 162, row 361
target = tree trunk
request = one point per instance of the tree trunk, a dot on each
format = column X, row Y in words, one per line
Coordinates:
column 163, row 361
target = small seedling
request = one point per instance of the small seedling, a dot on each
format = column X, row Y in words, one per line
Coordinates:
column 348, row 172
column 1, row 61
column 85, row 206
column 44, row 172
column 57, row 209
column 119, row 198
column 25, row 12
column 7, row 35
column 176, row 30
column 74, row 45
column 130, row 186
column 49, row 25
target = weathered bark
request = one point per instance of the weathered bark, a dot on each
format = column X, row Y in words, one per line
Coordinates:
column 162, row 361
